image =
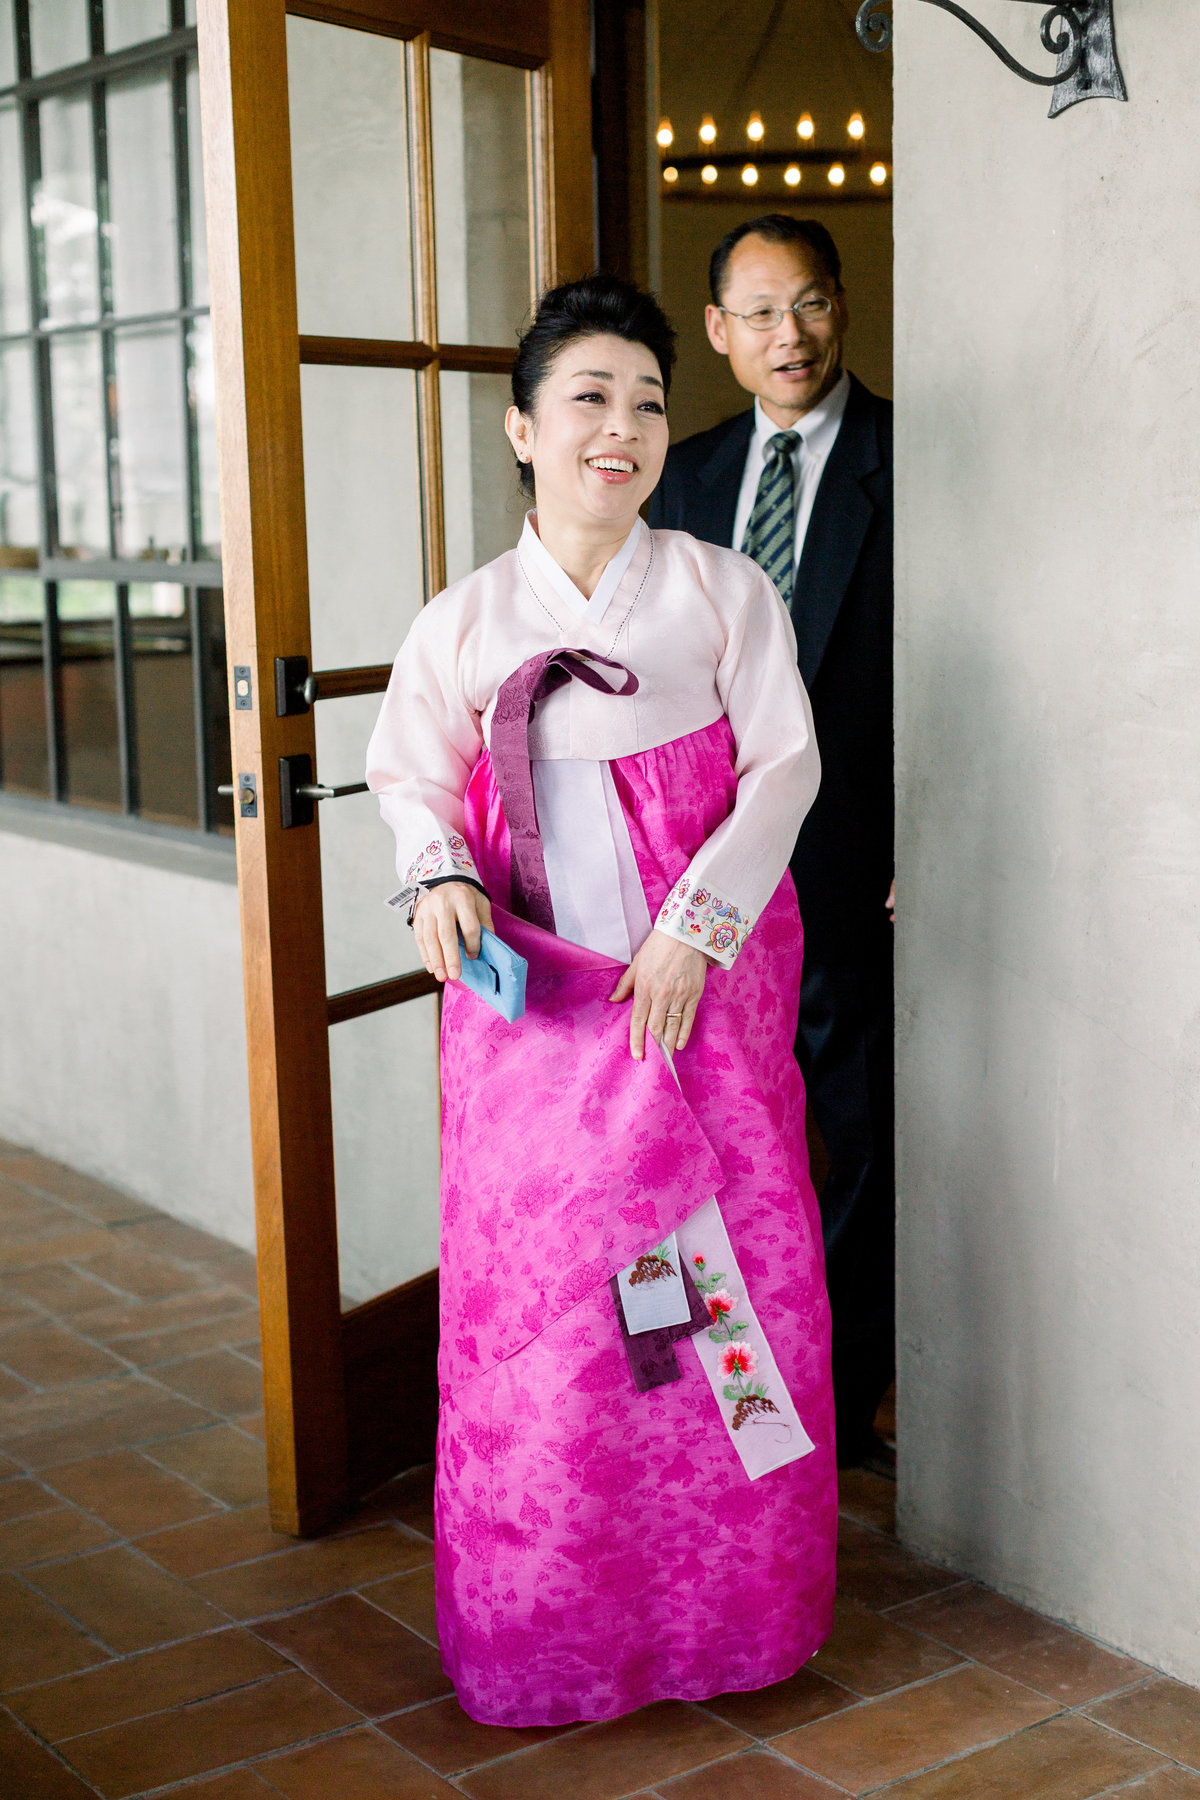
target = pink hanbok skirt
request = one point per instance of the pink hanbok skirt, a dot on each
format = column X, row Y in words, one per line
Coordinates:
column 598, row 1548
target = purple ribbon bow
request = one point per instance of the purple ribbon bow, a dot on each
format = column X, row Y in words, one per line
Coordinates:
column 515, row 703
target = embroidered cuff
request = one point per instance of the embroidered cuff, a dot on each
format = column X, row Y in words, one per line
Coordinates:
column 698, row 915
column 442, row 859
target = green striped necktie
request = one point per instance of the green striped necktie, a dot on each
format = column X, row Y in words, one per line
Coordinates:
column 771, row 532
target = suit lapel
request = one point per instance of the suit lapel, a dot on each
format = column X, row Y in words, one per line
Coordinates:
column 841, row 514
column 714, row 496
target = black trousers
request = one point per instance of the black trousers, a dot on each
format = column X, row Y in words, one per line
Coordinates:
column 844, row 1048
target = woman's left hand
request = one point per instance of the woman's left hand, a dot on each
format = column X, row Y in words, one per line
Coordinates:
column 666, row 979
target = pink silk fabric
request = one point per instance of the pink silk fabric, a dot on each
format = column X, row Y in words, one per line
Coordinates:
column 597, row 1548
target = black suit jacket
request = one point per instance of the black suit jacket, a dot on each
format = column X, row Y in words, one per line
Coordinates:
column 842, row 612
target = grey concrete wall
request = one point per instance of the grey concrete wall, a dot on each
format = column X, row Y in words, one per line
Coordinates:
column 1048, row 324
column 122, row 1044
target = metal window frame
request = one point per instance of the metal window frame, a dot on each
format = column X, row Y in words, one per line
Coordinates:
column 198, row 575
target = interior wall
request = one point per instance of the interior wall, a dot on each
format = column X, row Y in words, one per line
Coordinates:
column 122, row 1037
column 1048, row 317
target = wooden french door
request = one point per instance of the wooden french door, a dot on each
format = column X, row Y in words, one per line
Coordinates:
column 389, row 183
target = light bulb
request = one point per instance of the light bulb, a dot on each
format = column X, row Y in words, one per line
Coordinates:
column 856, row 127
column 708, row 174
column 836, row 175
column 755, row 129
column 792, row 175
column 708, row 131
column 750, row 175
column 804, row 126
column 670, row 174
column 664, row 135
column 879, row 173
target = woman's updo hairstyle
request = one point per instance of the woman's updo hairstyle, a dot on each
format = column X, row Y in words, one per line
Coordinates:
column 596, row 305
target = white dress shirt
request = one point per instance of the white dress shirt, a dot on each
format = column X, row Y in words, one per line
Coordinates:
column 818, row 431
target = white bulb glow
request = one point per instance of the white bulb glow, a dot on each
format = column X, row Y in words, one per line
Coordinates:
column 708, row 174
column 879, row 173
column 792, row 175
column 708, row 131
column 837, row 175
column 664, row 135
column 670, row 174
column 750, row 175
column 856, row 126
column 805, row 126
column 755, row 129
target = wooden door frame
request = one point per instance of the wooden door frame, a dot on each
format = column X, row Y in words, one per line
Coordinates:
column 337, row 1416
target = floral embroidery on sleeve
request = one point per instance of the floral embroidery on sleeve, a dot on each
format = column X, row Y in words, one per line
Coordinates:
column 441, row 856
column 698, row 915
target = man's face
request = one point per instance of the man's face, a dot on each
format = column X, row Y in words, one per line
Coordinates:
column 792, row 367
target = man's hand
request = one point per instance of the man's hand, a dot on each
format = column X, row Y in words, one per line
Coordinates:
column 666, row 979
column 439, row 916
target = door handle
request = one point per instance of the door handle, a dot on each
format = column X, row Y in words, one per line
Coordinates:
column 298, row 792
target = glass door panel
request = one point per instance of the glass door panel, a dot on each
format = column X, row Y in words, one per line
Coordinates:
column 481, row 196
column 484, row 506
column 347, row 93
column 386, row 1110
column 363, row 507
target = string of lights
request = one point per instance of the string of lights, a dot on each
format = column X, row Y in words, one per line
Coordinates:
column 828, row 167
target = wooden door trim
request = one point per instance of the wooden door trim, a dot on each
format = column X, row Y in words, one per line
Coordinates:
column 356, row 1003
column 404, row 353
column 470, row 27
column 247, row 169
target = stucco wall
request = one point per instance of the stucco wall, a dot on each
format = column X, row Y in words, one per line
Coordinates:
column 1048, row 324
column 122, row 1038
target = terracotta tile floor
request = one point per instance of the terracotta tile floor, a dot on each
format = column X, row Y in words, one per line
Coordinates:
column 157, row 1637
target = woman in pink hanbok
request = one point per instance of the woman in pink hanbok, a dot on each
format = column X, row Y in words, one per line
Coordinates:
column 599, row 747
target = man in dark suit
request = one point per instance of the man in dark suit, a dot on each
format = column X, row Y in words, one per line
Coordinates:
column 803, row 483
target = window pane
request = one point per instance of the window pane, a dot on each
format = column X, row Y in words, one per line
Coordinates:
column 362, row 502
column 481, row 198
column 8, row 45
column 386, row 1109
column 199, row 243
column 133, row 21
column 24, row 761
column 77, row 393
column 58, row 32
column 202, row 395
column 346, row 91
column 86, row 610
column 64, row 207
column 19, row 487
column 485, row 508
column 152, row 517
column 14, row 269
column 141, row 191
column 161, row 643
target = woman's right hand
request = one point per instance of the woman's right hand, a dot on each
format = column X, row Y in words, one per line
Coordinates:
column 438, row 918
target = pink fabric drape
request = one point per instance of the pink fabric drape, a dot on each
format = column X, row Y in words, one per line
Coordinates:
column 598, row 1548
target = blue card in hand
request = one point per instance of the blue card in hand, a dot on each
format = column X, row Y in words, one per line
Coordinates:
column 497, row 975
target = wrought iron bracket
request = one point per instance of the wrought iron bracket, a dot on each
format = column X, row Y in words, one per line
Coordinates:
column 1080, row 35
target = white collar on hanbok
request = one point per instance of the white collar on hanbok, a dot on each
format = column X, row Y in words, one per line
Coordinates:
column 531, row 546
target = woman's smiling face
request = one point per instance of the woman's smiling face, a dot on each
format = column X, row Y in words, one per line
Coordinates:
column 597, row 437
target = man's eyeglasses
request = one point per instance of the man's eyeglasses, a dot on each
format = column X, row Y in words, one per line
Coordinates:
column 809, row 311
